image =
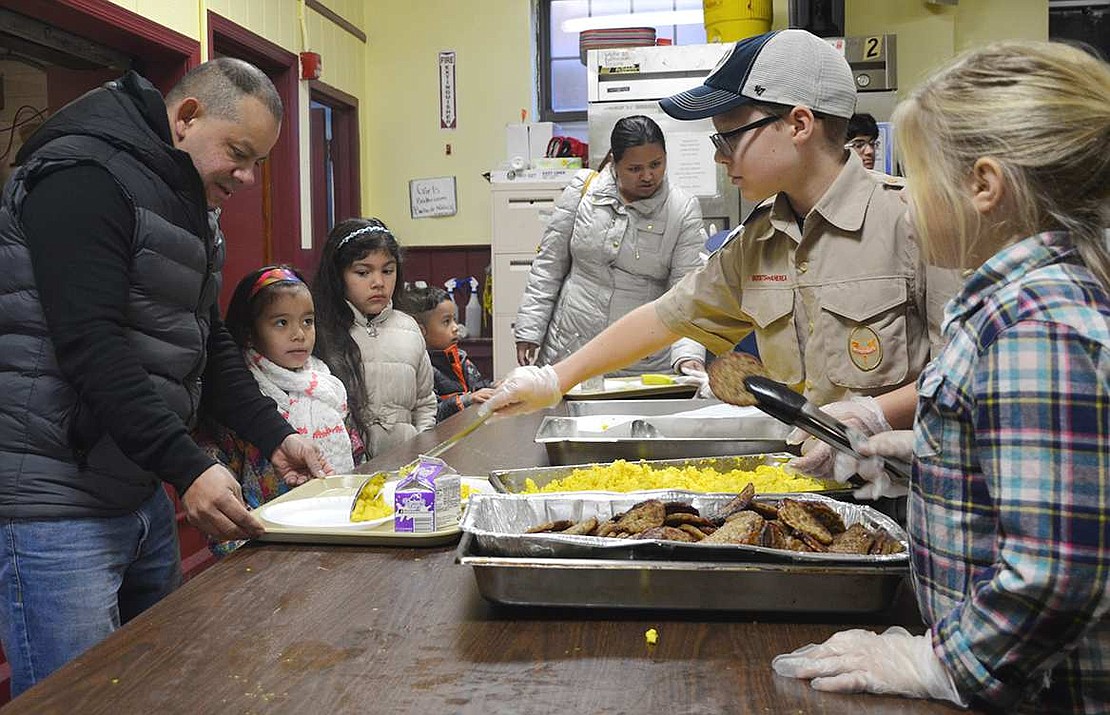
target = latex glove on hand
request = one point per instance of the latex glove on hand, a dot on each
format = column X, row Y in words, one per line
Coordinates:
column 858, row 661
column 526, row 389
column 696, row 370
column 896, row 444
column 861, row 415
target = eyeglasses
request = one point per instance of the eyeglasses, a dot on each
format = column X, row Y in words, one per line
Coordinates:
column 861, row 144
column 722, row 141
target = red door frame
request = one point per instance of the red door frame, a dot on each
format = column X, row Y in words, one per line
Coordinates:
column 282, row 67
column 345, row 155
column 163, row 55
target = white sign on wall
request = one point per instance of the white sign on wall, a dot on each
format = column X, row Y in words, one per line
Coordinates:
column 432, row 197
column 448, row 118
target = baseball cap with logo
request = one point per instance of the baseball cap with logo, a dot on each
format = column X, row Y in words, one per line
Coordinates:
column 791, row 67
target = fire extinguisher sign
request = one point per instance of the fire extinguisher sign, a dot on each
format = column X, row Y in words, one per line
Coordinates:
column 448, row 118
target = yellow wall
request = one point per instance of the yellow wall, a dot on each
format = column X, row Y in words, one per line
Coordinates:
column 179, row 16
column 930, row 34
column 492, row 40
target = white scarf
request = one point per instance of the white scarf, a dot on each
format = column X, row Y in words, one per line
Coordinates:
column 312, row 400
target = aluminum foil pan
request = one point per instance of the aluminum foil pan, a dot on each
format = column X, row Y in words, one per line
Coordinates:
column 498, row 523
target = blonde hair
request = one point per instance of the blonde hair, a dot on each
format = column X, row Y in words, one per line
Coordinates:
column 1042, row 111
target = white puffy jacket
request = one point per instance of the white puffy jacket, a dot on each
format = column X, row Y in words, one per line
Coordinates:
column 400, row 402
column 600, row 258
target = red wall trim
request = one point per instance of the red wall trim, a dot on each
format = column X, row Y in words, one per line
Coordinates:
column 165, row 55
column 226, row 37
column 334, row 94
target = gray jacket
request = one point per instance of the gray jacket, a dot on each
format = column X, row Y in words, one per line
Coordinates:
column 600, row 258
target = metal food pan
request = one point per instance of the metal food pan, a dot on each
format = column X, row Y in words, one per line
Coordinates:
column 639, row 408
column 512, row 481
column 604, row 431
column 694, row 585
column 499, row 522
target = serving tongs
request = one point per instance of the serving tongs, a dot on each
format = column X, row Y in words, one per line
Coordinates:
column 484, row 413
column 740, row 379
column 779, row 401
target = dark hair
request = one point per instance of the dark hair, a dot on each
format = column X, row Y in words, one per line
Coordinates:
column 221, row 83
column 862, row 125
column 636, row 130
column 418, row 302
column 245, row 308
column 350, row 241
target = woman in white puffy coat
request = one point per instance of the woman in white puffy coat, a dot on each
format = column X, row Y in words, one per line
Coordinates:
column 617, row 239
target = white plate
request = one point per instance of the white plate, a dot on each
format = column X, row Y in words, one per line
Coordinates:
column 331, row 512
column 476, row 484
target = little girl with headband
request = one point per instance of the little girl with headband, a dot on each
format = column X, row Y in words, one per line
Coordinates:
column 377, row 352
column 271, row 318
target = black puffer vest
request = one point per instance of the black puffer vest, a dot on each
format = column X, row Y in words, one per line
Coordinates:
column 55, row 460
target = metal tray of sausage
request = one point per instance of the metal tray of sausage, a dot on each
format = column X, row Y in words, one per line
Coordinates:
column 681, row 585
column 657, row 429
column 498, row 523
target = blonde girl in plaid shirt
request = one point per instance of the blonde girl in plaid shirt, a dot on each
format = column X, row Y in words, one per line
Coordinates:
column 1007, row 152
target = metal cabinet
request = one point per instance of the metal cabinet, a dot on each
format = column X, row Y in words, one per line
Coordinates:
column 520, row 211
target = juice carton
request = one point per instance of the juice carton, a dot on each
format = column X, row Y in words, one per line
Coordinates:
column 427, row 498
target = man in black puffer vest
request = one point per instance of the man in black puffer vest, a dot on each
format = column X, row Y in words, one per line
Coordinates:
column 109, row 326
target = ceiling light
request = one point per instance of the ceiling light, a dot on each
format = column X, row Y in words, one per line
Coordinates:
column 639, row 19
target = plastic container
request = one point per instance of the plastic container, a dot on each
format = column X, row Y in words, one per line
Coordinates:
column 732, row 20
column 473, row 315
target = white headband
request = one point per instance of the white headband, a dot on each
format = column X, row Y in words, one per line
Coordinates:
column 365, row 229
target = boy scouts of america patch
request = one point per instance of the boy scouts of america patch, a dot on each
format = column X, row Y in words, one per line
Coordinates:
column 864, row 348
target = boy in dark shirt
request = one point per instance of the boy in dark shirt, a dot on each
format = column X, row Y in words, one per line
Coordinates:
column 458, row 383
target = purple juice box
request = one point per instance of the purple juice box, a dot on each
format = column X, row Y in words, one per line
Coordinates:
column 427, row 498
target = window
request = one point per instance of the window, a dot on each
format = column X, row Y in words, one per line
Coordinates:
column 563, row 72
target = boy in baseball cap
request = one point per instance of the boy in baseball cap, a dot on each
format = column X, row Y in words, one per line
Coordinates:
column 825, row 270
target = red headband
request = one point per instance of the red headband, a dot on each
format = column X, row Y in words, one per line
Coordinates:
column 271, row 276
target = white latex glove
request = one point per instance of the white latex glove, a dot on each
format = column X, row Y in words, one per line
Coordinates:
column 862, row 416
column 696, row 370
column 859, row 661
column 526, row 389
column 896, row 444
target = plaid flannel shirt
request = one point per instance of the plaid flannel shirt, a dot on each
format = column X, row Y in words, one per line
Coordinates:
column 1009, row 513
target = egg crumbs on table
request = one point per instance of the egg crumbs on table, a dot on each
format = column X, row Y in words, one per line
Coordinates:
column 623, row 476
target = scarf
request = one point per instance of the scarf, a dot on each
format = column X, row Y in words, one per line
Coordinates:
column 312, row 400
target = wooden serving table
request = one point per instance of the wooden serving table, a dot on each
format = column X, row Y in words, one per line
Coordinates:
column 282, row 628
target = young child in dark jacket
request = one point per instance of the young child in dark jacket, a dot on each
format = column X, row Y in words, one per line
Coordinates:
column 457, row 382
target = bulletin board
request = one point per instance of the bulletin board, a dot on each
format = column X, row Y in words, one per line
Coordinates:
column 433, row 197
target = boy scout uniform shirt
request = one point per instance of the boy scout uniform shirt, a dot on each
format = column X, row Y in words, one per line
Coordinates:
column 840, row 307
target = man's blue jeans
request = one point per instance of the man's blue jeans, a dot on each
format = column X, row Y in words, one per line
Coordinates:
column 66, row 584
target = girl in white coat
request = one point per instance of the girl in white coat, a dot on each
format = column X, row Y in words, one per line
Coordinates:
column 376, row 351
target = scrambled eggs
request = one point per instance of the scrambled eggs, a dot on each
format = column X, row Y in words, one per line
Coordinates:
column 370, row 504
column 622, row 476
